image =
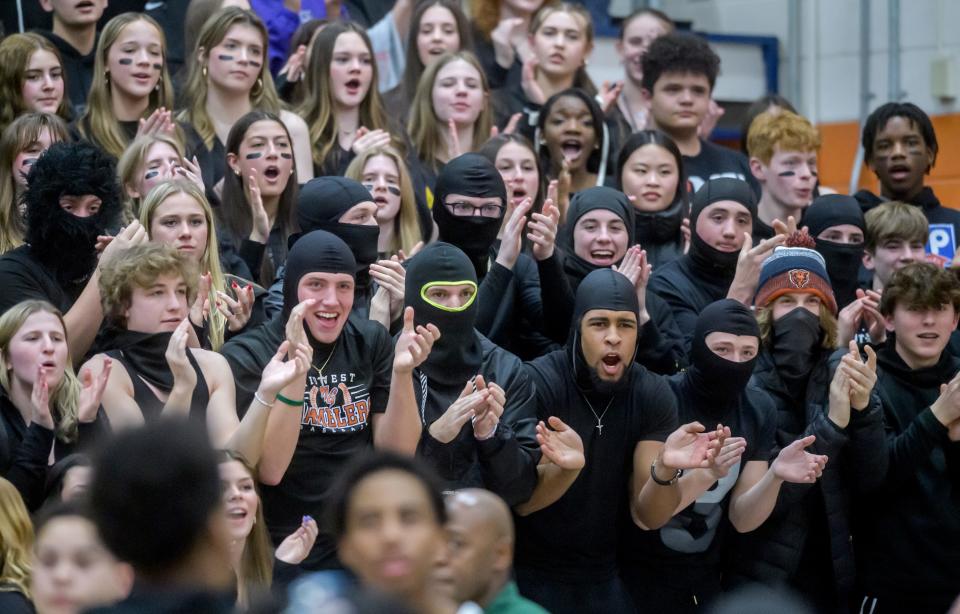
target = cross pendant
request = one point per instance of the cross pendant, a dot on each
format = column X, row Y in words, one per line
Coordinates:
column 600, row 428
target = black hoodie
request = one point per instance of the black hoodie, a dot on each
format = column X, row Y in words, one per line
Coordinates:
column 935, row 213
column 907, row 532
column 77, row 68
column 575, row 539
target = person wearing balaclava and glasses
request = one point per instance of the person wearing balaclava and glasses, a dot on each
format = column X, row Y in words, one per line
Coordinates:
column 677, row 568
column 345, row 208
column 357, row 393
column 721, row 262
column 806, row 541
column 599, row 234
column 622, row 421
column 476, row 401
column 72, row 199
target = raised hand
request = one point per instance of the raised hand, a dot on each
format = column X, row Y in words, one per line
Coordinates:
column 236, row 311
column 528, row 81
column 295, row 548
column 91, row 391
column 794, row 464
column 191, row 172
column 564, row 181
column 503, row 36
column 40, row 399
column 512, row 240
column 861, row 374
column 295, row 332
column 368, row 139
column 839, row 399
column 543, row 230
column 201, row 305
column 413, row 344
column 403, row 257
column 510, row 128
column 176, row 355
column 293, row 69
column 953, row 430
column 453, row 142
column 391, row 276
column 160, row 121
column 485, row 422
column 730, row 451
column 609, row 92
column 469, row 404
column 751, row 258
column 260, row 229
column 133, row 234
column 280, row 373
column 786, row 228
column 689, row 447
column 685, row 233
column 946, row 409
column 560, row 444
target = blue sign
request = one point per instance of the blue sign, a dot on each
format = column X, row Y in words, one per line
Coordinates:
column 942, row 242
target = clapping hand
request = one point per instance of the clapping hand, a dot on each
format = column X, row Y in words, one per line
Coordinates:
column 487, row 417
column 413, row 344
column 794, row 464
column 91, row 391
column 689, row 447
column 467, row 406
column 560, row 444
column 295, row 548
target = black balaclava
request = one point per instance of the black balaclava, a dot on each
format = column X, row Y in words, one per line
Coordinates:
column 707, row 260
column 716, row 382
column 469, row 175
column 601, row 289
column 315, row 252
column 794, row 344
column 60, row 240
column 456, row 355
column 843, row 260
column 582, row 203
column 321, row 204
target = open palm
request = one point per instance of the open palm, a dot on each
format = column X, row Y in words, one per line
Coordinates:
column 794, row 464
column 689, row 447
column 561, row 445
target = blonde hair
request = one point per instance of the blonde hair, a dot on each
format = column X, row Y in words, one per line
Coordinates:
column 406, row 224
column 140, row 265
column 317, row 108
column 128, row 168
column 828, row 324
column 894, row 220
column 425, row 129
column 16, row 541
column 210, row 262
column 65, row 397
column 196, row 88
column 256, row 565
column 99, row 124
column 16, row 52
column 16, row 137
column 784, row 130
column 581, row 78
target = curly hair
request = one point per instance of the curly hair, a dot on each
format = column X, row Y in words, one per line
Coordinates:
column 679, row 53
column 140, row 265
column 785, row 130
column 921, row 285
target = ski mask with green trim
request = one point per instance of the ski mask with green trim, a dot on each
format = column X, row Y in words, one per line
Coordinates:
column 456, row 356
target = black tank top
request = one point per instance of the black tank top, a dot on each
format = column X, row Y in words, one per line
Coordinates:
column 150, row 405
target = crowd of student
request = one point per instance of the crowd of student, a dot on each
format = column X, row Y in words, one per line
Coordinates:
column 403, row 313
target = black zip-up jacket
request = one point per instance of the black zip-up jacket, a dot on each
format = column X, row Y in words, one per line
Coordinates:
column 926, row 200
column 857, row 462
column 506, row 463
column 907, row 531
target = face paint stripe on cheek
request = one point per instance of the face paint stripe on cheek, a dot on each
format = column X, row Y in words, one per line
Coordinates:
column 787, row 174
column 286, row 156
column 157, row 66
column 225, row 58
column 254, row 155
column 151, row 174
column 125, row 61
column 393, row 190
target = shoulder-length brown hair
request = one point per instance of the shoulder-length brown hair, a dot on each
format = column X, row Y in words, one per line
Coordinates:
column 263, row 95
column 318, row 106
column 426, row 131
column 99, row 124
column 15, row 53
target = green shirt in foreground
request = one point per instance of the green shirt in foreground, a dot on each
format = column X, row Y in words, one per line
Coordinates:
column 509, row 601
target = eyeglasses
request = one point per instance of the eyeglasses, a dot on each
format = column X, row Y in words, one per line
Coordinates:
column 463, row 209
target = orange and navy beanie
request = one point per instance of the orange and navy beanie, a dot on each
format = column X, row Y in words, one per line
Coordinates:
column 794, row 269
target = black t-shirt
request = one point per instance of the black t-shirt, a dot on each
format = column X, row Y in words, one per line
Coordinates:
column 714, row 162
column 689, row 545
column 23, row 277
column 575, row 539
column 336, row 423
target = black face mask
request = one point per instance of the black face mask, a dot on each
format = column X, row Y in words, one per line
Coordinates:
column 456, row 356
column 711, row 263
column 716, row 381
column 843, row 266
column 323, row 201
column 794, row 346
column 581, row 204
column 661, row 226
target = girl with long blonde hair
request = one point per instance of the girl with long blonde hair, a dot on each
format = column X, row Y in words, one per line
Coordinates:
column 383, row 171
column 130, row 83
column 450, row 114
column 227, row 79
column 16, row 541
column 149, row 160
column 342, row 105
column 42, row 403
column 21, row 143
column 177, row 213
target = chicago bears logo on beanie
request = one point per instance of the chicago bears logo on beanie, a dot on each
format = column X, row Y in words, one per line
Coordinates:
column 795, row 267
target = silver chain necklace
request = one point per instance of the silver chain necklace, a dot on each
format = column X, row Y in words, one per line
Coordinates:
column 600, row 417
